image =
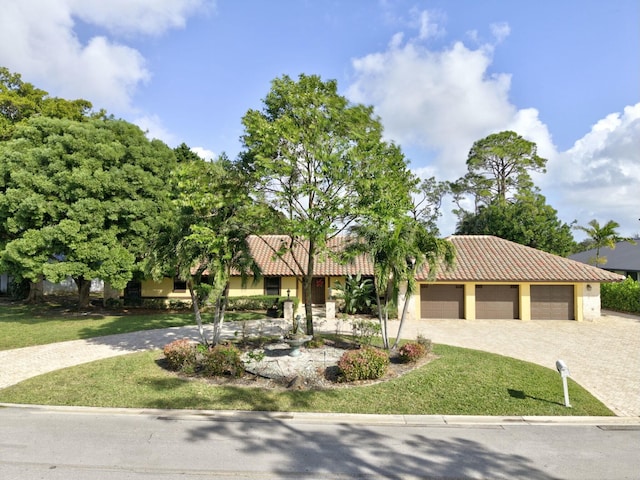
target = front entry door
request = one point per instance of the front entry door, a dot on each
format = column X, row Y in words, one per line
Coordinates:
column 317, row 291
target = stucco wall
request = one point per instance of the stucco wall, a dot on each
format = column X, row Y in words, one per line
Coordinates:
column 590, row 300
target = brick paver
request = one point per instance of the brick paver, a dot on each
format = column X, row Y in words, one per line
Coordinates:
column 603, row 356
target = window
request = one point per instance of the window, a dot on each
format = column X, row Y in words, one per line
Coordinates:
column 272, row 285
column 179, row 285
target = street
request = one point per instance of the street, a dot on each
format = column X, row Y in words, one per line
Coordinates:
column 81, row 443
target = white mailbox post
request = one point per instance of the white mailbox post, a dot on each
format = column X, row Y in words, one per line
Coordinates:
column 563, row 370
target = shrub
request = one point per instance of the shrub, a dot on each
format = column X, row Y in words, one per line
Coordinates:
column 411, row 352
column 223, row 359
column 364, row 331
column 425, row 342
column 181, row 355
column 357, row 294
column 623, row 296
column 366, row 363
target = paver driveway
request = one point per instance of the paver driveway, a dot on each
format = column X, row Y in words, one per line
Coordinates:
column 603, row 356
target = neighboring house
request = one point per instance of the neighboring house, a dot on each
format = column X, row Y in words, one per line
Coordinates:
column 492, row 279
column 624, row 259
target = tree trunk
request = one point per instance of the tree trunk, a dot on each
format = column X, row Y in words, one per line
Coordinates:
column 196, row 311
column 84, row 289
column 36, row 292
column 402, row 317
column 382, row 318
column 306, row 284
column 218, row 320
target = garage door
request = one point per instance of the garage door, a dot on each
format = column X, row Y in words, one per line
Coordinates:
column 552, row 302
column 497, row 301
column 441, row 301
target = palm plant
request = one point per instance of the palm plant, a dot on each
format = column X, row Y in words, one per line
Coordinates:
column 603, row 236
column 398, row 252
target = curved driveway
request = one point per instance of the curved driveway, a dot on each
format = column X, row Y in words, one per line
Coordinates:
column 603, row 356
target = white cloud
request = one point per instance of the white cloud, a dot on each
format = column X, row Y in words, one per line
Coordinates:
column 440, row 100
column 150, row 17
column 204, row 153
column 429, row 23
column 598, row 178
column 152, row 125
column 500, row 31
column 38, row 40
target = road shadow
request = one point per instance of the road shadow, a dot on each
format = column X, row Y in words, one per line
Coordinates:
column 362, row 451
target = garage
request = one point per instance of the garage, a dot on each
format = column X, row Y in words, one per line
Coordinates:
column 501, row 302
column 552, row 302
column 441, row 301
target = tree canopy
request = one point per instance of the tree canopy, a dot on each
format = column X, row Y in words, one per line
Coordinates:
column 213, row 214
column 80, row 199
column 321, row 163
column 20, row 100
column 498, row 168
column 528, row 220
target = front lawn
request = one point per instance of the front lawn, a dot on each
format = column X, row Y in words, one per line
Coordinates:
column 24, row 325
column 459, row 382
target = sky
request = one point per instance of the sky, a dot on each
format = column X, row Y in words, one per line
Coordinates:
column 440, row 74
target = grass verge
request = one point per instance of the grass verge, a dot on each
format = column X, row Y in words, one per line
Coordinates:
column 25, row 325
column 459, row 382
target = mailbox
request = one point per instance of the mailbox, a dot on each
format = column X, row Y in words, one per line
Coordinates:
column 563, row 370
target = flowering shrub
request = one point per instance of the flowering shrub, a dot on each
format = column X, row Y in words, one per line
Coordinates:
column 223, row 359
column 366, row 363
column 411, row 352
column 181, row 355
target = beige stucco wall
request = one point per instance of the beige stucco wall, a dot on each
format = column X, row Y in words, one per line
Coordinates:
column 162, row 289
column 590, row 300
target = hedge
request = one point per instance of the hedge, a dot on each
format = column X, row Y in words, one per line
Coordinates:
column 623, row 296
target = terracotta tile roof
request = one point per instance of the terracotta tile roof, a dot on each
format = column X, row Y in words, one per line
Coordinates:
column 294, row 262
column 491, row 259
column 479, row 258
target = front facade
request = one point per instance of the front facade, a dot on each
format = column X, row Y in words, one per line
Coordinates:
column 492, row 279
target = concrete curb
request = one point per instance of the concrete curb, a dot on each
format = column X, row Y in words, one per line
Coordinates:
column 334, row 418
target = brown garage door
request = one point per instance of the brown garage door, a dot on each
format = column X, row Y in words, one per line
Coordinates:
column 497, row 301
column 441, row 301
column 552, row 302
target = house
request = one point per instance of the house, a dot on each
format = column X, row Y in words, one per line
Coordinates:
column 624, row 259
column 492, row 278
column 281, row 273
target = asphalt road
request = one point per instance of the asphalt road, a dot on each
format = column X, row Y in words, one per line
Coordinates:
column 78, row 443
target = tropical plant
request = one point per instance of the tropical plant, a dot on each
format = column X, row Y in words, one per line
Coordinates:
column 398, row 251
column 603, row 236
column 357, row 293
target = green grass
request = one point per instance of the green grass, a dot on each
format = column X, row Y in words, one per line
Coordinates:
column 459, row 382
column 25, row 325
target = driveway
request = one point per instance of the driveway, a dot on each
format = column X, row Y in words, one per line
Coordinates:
column 603, row 356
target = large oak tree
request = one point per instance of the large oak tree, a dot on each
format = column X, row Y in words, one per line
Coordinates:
column 80, row 199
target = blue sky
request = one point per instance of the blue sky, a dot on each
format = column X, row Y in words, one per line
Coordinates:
column 440, row 74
